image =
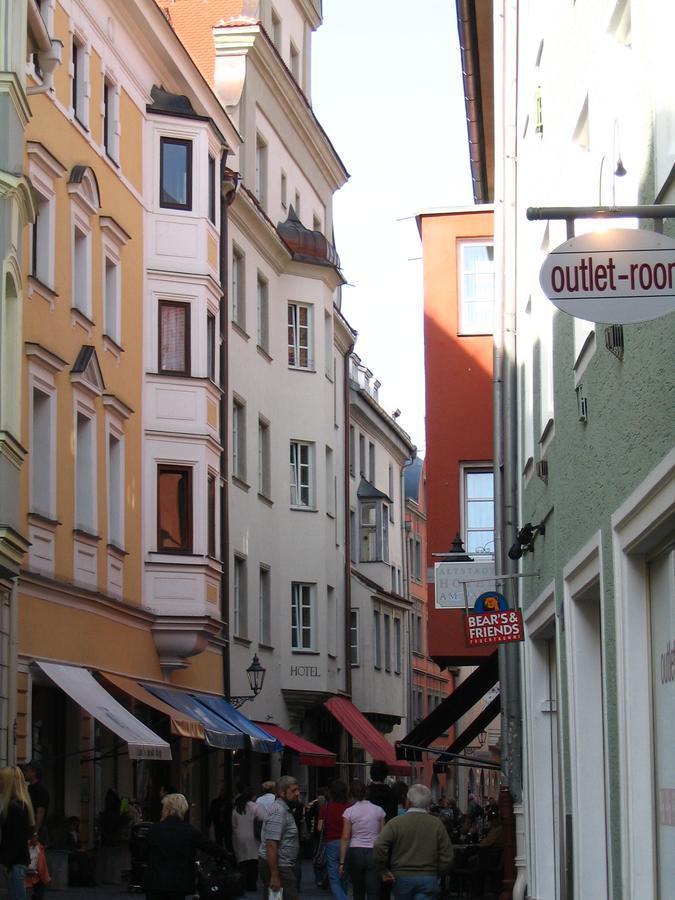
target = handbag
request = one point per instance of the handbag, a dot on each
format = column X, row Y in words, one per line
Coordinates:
column 319, row 858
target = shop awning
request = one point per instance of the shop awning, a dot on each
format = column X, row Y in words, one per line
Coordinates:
column 182, row 725
column 261, row 741
column 82, row 687
column 455, row 705
column 374, row 743
column 217, row 731
column 310, row 754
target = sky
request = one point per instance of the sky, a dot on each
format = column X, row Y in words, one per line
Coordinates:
column 387, row 88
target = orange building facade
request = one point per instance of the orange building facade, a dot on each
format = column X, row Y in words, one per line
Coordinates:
column 458, row 290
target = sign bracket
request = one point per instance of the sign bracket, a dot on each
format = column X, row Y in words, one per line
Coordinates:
column 656, row 211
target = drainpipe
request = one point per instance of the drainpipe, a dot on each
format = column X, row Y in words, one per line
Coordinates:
column 229, row 182
column 505, row 427
column 406, row 567
column 348, row 529
column 12, row 666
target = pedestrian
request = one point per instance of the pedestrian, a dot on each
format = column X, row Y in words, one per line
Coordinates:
column 244, row 841
column 171, row 845
column 414, row 851
column 266, row 799
column 400, row 790
column 330, row 827
column 39, row 796
column 379, row 791
column 280, row 844
column 17, row 825
column 362, row 822
column 217, row 816
column 297, row 808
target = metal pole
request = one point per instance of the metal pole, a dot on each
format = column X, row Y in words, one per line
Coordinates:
column 653, row 211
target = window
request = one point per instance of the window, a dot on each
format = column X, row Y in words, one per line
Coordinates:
column 211, row 514
column 85, row 474
column 328, row 345
column 115, row 490
column 330, row 482
column 300, row 336
column 296, row 203
column 212, row 189
column 42, row 451
column 174, row 509
column 263, row 315
column 477, row 287
column 479, row 511
column 284, row 190
column 81, row 271
column 41, row 250
column 354, row 637
column 78, row 100
column 374, row 527
column 302, row 616
column 316, row 223
column 420, row 641
column 261, row 170
column 112, row 299
column 387, row 643
column 211, row 346
column 264, row 611
column 239, row 439
column 392, row 488
column 264, row 468
column 239, row 599
column 175, row 173
column 238, row 287
column 331, row 622
column 362, row 455
column 377, row 641
column 174, row 337
column 276, row 30
column 352, row 450
column 415, row 557
column 353, row 537
column 110, row 118
column 371, row 462
column 302, row 474
column 295, row 62
column 397, row 647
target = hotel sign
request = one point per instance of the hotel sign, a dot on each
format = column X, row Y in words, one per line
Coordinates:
column 620, row 276
column 449, row 578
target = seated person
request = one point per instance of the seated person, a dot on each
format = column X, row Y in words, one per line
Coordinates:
column 80, row 860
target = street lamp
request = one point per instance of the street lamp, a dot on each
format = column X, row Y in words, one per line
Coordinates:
column 256, row 678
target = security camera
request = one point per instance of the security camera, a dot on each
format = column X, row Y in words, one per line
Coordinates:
column 525, row 539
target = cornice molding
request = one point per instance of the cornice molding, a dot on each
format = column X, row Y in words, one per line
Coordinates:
column 10, row 84
column 18, row 188
column 46, row 358
column 245, row 214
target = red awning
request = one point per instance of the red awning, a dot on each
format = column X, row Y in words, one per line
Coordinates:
column 353, row 721
column 310, row 754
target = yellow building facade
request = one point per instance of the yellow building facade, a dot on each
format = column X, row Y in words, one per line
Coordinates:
column 89, row 158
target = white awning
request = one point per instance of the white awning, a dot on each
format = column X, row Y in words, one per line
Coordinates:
column 82, row 687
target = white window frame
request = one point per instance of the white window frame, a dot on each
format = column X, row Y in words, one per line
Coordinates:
column 354, row 634
column 261, row 161
column 113, row 238
column 295, row 343
column 81, row 290
column 377, row 640
column 398, row 645
column 297, row 484
column 264, row 605
column 303, row 597
column 264, row 458
column 263, row 312
column 276, row 29
column 80, row 98
column 380, row 528
column 294, row 61
column 42, row 178
column 331, row 621
column 83, row 408
column 465, row 470
column 238, row 287
column 112, row 150
column 387, row 641
column 330, row 482
column 43, row 454
column 239, row 597
column 283, row 189
column 464, row 326
column 328, row 346
column 115, row 492
column 238, row 438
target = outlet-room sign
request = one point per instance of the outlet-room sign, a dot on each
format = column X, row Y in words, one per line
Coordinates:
column 617, row 277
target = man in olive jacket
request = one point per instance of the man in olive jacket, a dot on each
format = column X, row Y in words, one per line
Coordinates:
column 414, row 850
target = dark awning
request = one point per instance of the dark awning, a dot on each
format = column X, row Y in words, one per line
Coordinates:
column 261, row 741
column 374, row 743
column 455, row 705
column 310, row 754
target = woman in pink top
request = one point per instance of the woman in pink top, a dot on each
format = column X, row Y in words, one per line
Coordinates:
column 362, row 824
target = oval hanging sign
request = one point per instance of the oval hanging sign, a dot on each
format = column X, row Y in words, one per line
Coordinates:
column 618, row 276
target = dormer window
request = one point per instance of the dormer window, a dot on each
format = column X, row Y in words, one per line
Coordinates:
column 175, row 173
column 374, row 519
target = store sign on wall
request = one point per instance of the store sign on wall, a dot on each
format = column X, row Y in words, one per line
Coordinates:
column 492, row 622
column 617, row 277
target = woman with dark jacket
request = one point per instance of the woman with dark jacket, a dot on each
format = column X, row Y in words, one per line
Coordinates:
column 171, row 848
column 17, row 824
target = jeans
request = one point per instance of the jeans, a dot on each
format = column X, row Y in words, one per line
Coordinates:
column 416, row 887
column 16, row 883
column 339, row 886
column 363, row 875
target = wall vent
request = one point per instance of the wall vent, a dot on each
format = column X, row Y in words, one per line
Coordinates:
column 614, row 340
column 582, row 404
column 542, row 470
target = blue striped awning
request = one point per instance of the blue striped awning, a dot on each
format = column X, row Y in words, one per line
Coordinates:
column 217, row 731
column 261, row 740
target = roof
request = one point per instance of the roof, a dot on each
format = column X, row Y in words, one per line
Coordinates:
column 368, row 491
